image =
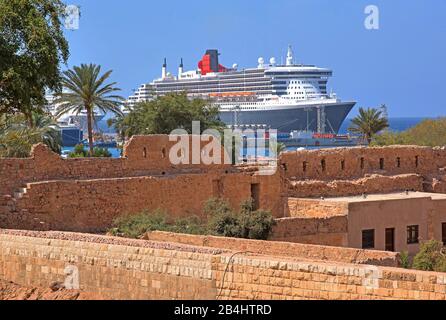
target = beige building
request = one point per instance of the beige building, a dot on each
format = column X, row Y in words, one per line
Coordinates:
column 391, row 222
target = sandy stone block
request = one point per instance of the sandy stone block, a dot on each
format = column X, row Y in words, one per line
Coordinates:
column 156, row 284
column 144, row 283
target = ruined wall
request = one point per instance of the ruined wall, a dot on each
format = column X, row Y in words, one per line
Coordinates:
column 349, row 163
column 143, row 155
column 93, row 205
column 328, row 231
column 46, row 192
column 125, row 269
column 307, row 208
column 368, row 185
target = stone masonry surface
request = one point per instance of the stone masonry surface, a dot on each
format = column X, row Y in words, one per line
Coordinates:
column 117, row 271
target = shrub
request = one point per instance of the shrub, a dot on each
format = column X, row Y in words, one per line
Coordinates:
column 430, row 257
column 222, row 221
column 255, row 224
column 247, row 224
column 79, row 151
column 259, row 225
column 101, row 153
column 405, row 260
column 216, row 206
column 427, row 133
column 136, row 225
column 189, row 225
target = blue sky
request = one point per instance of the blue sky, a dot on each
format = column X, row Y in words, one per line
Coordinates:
column 402, row 64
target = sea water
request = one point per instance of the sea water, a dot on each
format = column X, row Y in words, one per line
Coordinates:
column 396, row 125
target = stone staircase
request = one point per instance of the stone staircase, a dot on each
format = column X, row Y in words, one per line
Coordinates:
column 12, row 214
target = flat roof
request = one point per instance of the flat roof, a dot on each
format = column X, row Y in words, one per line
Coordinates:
column 388, row 196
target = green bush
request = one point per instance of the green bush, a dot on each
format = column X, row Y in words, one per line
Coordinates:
column 79, row 151
column 430, row 257
column 405, row 260
column 427, row 133
column 247, row 223
column 222, row 221
column 189, row 225
column 134, row 226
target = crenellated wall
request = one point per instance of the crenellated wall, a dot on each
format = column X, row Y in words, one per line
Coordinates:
column 143, row 156
column 350, row 163
column 47, row 192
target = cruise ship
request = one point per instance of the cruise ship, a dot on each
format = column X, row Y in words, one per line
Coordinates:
column 287, row 97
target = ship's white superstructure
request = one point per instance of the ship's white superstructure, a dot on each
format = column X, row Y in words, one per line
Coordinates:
column 285, row 97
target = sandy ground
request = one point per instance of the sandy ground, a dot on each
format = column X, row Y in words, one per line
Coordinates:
column 12, row 291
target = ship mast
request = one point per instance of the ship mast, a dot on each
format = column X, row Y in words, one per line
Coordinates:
column 290, row 56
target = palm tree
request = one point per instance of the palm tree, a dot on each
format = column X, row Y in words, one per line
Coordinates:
column 84, row 90
column 19, row 133
column 368, row 123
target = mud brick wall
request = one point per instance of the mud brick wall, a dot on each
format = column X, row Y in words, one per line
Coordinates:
column 348, row 163
column 131, row 269
column 307, row 208
column 368, row 185
column 328, row 231
column 143, row 155
column 93, row 205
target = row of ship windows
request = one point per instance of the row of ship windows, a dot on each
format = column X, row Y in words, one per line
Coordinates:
column 299, row 73
column 217, row 89
column 279, row 78
column 209, row 81
column 240, row 85
column 303, row 82
column 260, row 90
column 295, row 98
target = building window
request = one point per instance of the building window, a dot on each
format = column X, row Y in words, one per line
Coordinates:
column 390, row 239
column 381, row 164
column 368, row 239
column 412, row 234
column 443, row 233
column 255, row 196
column 323, row 165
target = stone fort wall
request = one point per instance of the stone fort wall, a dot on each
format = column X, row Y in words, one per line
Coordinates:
column 353, row 171
column 46, row 192
column 130, row 269
column 350, row 163
column 92, row 205
column 143, row 156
